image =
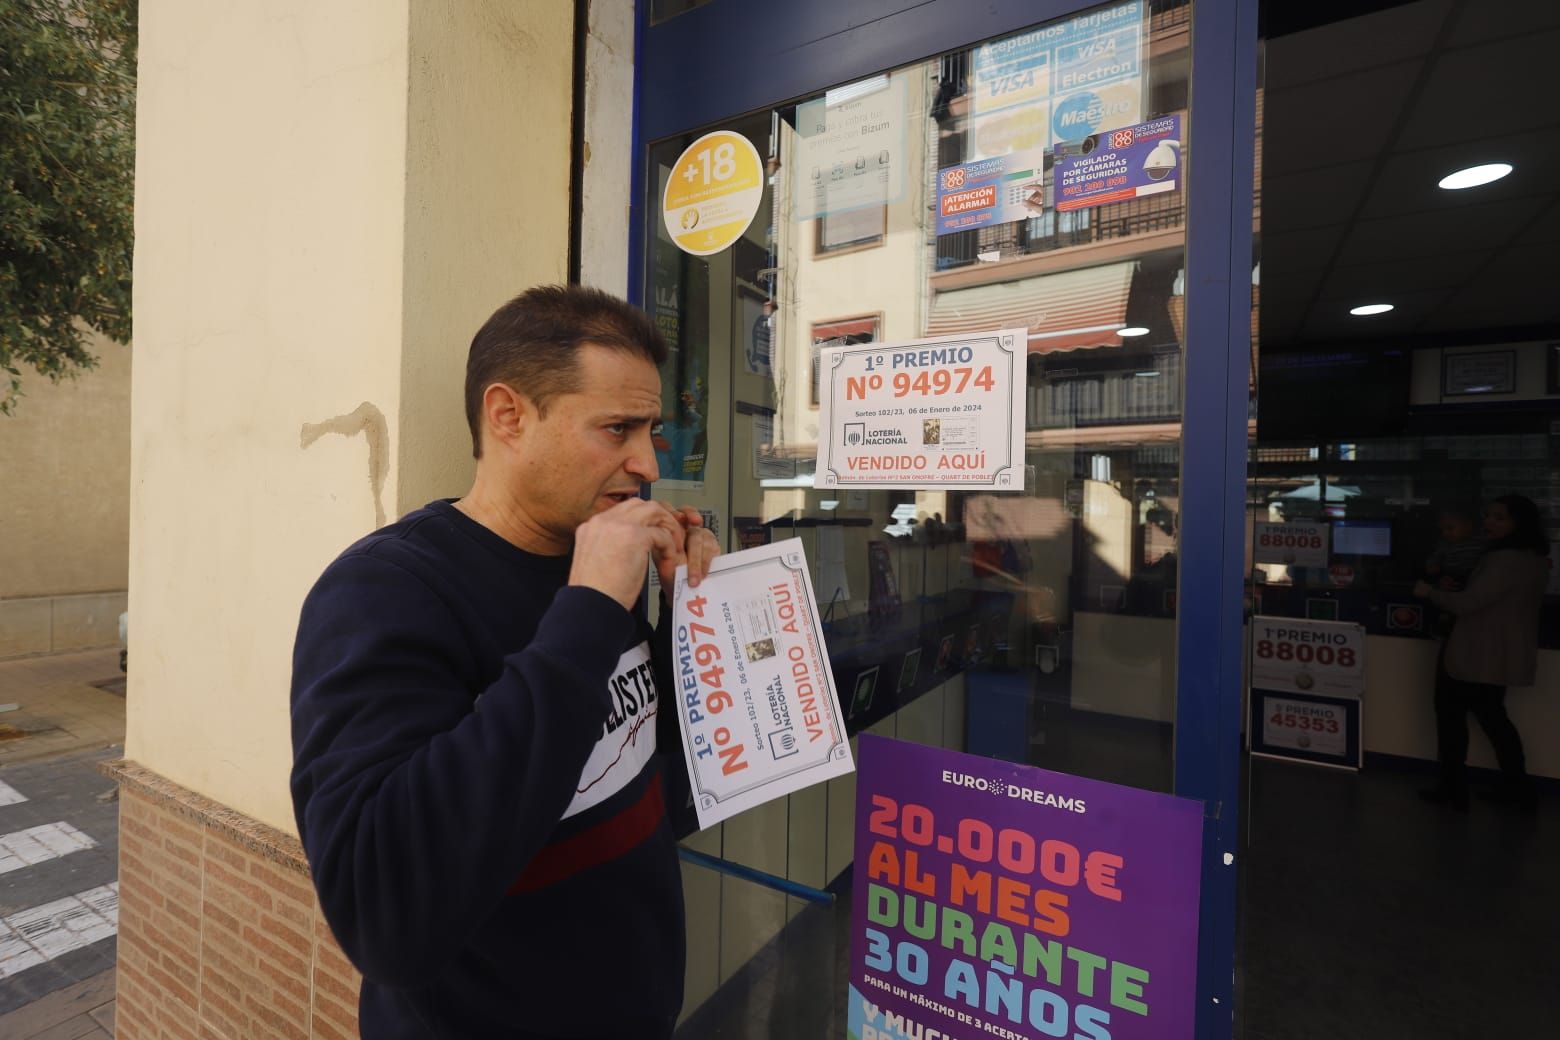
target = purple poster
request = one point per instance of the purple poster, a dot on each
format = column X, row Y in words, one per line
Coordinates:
column 1121, row 164
column 999, row 900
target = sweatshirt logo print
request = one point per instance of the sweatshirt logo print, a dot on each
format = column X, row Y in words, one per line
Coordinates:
column 628, row 738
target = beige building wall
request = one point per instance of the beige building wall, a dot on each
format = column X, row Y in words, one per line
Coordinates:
column 64, row 508
column 329, row 199
column 487, row 205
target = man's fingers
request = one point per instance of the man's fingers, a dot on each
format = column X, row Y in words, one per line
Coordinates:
column 662, row 544
column 687, row 516
column 702, row 549
column 654, row 515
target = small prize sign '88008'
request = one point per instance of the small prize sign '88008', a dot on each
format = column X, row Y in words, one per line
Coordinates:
column 930, row 414
column 1307, row 678
column 1292, row 544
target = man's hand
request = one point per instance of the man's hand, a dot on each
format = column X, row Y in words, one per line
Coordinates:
column 610, row 548
column 697, row 549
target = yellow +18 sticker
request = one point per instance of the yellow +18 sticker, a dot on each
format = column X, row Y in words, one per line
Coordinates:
column 713, row 192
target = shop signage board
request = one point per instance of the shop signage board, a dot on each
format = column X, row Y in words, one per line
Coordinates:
column 1058, row 83
column 943, row 413
column 850, row 148
column 1307, row 681
column 994, row 899
column 1292, row 544
column 754, row 690
column 1121, row 164
column 712, row 192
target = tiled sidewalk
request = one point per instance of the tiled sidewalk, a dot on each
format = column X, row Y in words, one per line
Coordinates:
column 66, row 702
column 84, row 1011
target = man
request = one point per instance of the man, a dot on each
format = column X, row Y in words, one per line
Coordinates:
column 475, row 707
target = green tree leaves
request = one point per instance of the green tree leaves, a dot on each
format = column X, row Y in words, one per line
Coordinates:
column 67, row 183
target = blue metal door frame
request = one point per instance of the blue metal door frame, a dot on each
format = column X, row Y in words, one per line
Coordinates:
column 731, row 57
column 1222, row 150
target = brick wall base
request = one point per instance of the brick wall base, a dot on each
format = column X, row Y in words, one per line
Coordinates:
column 220, row 935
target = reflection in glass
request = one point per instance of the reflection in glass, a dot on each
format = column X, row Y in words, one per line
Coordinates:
column 1036, row 626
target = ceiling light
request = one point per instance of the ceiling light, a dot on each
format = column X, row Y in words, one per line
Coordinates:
column 1474, row 176
column 1132, row 330
column 1147, row 375
column 1370, row 308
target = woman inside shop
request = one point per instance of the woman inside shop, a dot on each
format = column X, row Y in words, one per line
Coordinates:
column 1493, row 644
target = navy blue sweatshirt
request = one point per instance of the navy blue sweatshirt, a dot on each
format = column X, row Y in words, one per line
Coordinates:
column 476, row 786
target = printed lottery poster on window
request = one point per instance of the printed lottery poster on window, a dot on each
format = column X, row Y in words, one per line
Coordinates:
column 753, row 686
column 941, row 413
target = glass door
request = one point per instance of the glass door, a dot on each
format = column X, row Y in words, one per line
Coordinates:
column 1034, row 177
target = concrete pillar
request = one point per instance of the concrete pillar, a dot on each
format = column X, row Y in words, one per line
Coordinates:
column 330, row 197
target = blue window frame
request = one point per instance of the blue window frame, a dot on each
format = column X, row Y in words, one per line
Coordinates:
column 730, row 57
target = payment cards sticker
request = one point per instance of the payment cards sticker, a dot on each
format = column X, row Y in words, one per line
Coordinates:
column 755, row 693
column 713, row 192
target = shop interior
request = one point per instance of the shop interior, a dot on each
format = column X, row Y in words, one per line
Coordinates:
column 1040, row 627
column 1366, row 910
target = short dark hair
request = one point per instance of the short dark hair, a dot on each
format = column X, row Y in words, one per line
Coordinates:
column 532, row 343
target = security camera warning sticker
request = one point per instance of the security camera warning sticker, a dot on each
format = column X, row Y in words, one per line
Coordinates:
column 755, row 691
column 991, row 191
column 1116, row 165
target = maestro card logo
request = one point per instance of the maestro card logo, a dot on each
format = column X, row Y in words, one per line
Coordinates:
column 1078, row 116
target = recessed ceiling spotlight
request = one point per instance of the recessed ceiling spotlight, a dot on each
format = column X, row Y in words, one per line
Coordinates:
column 1370, row 308
column 1474, row 176
column 1132, row 330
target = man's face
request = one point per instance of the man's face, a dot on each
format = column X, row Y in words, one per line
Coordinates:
column 591, row 449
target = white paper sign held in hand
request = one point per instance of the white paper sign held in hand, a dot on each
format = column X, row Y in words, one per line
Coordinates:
column 755, row 696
